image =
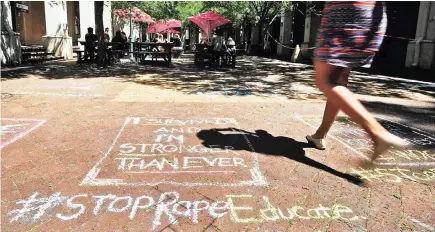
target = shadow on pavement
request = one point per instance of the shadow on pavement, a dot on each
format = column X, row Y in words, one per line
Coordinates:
column 417, row 116
column 252, row 76
column 264, row 143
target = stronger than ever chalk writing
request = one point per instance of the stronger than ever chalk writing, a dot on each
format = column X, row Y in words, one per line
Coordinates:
column 169, row 150
column 169, row 206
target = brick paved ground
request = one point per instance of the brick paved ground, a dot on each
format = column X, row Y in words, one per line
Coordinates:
column 141, row 148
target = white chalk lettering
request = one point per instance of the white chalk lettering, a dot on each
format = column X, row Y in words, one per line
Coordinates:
column 170, row 206
column 112, row 208
column 100, row 202
column 163, row 207
column 71, row 205
column 137, row 205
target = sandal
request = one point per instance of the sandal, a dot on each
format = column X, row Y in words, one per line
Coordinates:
column 383, row 143
column 318, row 143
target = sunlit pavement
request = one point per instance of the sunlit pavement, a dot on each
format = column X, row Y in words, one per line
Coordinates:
column 182, row 148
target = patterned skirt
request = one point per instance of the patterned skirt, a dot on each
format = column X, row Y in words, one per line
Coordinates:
column 351, row 33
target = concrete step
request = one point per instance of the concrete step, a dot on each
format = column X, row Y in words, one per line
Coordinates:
column 43, row 53
column 41, row 59
column 32, row 49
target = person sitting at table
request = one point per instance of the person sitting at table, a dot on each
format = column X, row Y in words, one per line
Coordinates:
column 178, row 45
column 160, row 40
column 231, row 44
column 218, row 47
column 106, row 35
column 125, row 40
column 119, row 39
column 136, row 45
column 156, row 38
column 90, row 43
column 219, row 42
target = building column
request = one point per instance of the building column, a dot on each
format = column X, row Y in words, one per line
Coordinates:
column 312, row 24
column 421, row 51
column 285, row 37
column 107, row 18
column 10, row 54
column 87, row 18
column 56, row 24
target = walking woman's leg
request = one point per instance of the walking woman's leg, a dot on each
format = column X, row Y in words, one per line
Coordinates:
column 339, row 76
column 342, row 98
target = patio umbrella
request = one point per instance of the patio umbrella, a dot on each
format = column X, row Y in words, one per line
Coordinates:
column 208, row 21
column 137, row 15
column 171, row 23
column 171, row 31
column 156, row 28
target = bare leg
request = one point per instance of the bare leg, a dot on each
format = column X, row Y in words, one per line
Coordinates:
column 342, row 98
column 331, row 111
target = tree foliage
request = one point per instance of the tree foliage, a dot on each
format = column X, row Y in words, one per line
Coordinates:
column 239, row 12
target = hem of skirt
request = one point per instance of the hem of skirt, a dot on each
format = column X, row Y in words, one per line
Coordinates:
column 343, row 64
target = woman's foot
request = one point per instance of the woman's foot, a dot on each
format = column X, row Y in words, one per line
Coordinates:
column 386, row 141
column 318, row 143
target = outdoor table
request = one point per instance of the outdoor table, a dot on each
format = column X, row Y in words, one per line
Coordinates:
column 202, row 52
column 109, row 52
column 205, row 52
column 143, row 49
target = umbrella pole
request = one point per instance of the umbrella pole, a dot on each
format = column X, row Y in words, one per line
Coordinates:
column 131, row 38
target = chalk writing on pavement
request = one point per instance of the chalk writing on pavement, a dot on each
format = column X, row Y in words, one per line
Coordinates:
column 166, row 150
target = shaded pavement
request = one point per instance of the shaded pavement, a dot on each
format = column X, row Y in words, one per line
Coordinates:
column 153, row 148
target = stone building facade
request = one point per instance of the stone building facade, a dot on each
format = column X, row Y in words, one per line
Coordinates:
column 57, row 25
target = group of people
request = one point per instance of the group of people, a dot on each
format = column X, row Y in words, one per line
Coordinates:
column 220, row 42
column 178, row 44
column 91, row 41
column 120, row 37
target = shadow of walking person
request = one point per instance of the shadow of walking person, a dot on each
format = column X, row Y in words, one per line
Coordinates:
column 264, row 143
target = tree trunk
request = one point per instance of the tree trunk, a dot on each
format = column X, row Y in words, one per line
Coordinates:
column 99, row 31
column 260, row 31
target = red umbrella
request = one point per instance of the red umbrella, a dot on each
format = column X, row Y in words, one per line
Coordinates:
column 137, row 15
column 170, row 30
column 208, row 21
column 171, row 23
column 156, row 28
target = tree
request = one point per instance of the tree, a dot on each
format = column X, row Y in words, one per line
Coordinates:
column 99, row 30
column 265, row 10
column 238, row 11
column 10, row 52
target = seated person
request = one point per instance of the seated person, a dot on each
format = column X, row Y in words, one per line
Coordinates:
column 119, row 39
column 137, row 46
column 219, row 43
column 231, row 44
column 106, row 35
column 159, row 40
column 125, row 39
column 90, row 43
column 178, row 45
column 156, row 38
column 177, row 42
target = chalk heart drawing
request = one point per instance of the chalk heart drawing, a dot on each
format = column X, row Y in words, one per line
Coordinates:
column 152, row 151
column 13, row 129
column 416, row 163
